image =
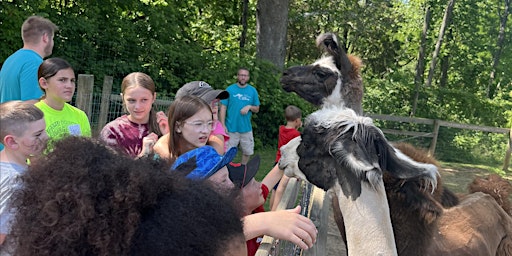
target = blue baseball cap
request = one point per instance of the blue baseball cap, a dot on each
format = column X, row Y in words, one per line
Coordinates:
column 204, row 161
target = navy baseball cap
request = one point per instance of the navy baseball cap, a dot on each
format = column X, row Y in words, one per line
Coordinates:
column 203, row 162
column 242, row 174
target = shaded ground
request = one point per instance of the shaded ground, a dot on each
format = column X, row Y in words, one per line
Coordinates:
column 456, row 178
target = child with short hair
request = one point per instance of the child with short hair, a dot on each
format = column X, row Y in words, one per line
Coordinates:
column 293, row 116
column 22, row 132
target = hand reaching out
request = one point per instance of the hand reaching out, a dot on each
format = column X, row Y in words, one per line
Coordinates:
column 283, row 224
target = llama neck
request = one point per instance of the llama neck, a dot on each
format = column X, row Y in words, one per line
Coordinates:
column 367, row 222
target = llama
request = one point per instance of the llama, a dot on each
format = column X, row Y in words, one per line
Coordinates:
column 345, row 154
column 348, row 148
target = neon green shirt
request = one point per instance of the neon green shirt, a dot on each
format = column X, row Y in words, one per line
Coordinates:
column 68, row 121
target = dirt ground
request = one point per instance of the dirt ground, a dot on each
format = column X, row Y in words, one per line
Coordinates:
column 457, row 179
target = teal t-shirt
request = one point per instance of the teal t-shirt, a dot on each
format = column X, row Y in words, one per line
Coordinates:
column 239, row 98
column 18, row 77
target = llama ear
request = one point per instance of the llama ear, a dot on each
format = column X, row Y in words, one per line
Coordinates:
column 398, row 164
column 356, row 162
column 329, row 43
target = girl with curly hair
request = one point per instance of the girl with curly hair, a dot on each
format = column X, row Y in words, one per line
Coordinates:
column 86, row 199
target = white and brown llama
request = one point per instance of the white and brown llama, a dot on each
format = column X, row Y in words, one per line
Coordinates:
column 375, row 184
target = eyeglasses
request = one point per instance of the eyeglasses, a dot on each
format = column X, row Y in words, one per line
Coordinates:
column 199, row 126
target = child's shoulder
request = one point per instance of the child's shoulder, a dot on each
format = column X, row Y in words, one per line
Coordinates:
column 10, row 167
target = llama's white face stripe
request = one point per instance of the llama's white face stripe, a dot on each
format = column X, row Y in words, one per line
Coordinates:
column 327, row 62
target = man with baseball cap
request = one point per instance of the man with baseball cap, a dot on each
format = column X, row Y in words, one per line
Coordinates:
column 218, row 136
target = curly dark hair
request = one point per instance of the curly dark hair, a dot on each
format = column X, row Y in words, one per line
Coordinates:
column 86, row 199
column 189, row 224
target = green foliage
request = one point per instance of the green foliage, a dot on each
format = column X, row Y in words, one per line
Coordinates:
column 179, row 41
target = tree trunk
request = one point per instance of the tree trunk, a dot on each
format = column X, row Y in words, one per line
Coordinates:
column 245, row 12
column 446, row 22
column 499, row 48
column 420, row 67
column 445, row 64
column 271, row 29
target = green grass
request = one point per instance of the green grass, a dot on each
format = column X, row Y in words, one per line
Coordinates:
column 268, row 157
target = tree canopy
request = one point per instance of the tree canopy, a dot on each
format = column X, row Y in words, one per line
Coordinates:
column 179, row 41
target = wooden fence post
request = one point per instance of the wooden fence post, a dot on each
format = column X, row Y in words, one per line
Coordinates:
column 509, row 150
column 319, row 206
column 105, row 102
column 85, row 88
column 432, row 148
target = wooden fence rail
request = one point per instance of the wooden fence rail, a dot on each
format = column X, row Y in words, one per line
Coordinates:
column 316, row 208
column 435, row 131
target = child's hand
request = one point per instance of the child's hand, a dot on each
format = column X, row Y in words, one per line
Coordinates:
column 148, row 142
column 161, row 119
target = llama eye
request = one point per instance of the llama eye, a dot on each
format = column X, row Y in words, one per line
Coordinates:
column 320, row 75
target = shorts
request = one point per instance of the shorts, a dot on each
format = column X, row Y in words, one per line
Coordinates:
column 246, row 141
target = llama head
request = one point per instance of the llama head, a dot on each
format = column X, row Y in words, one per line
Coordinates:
column 339, row 145
column 334, row 79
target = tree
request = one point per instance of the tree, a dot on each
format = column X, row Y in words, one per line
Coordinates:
column 444, row 24
column 499, row 48
column 420, row 66
column 271, row 30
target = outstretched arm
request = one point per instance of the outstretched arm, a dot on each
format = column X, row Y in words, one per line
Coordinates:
column 273, row 177
column 284, row 224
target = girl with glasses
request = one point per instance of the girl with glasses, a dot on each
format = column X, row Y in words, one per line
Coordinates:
column 190, row 123
column 218, row 137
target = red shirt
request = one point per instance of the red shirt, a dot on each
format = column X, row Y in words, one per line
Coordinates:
column 285, row 135
column 253, row 244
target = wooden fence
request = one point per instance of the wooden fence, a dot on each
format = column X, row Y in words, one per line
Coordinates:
column 435, row 131
column 315, row 205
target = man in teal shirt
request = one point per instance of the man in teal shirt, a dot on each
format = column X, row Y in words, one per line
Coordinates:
column 236, row 111
column 18, row 76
